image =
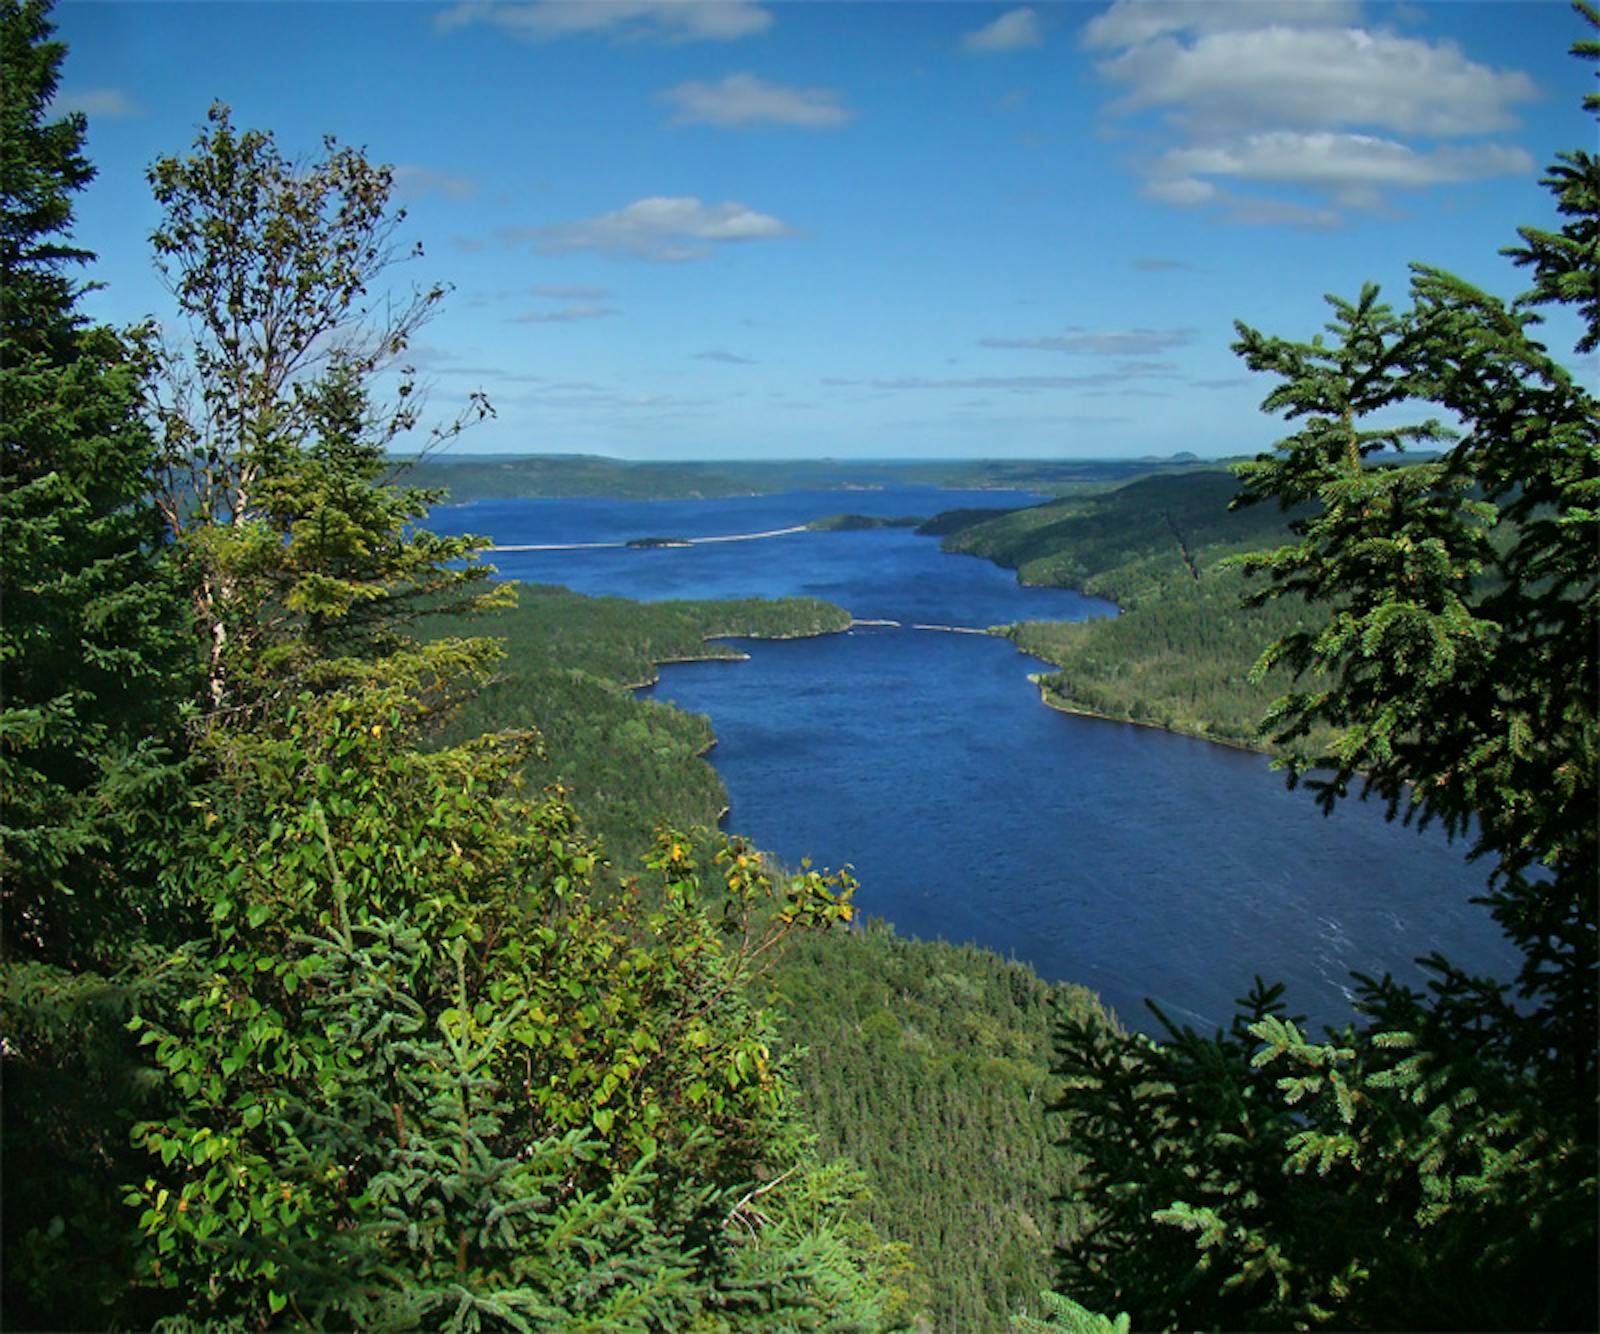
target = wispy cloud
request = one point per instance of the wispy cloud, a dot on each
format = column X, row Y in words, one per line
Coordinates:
column 670, row 21
column 742, row 100
column 1120, row 375
column 728, row 358
column 112, row 103
column 1158, row 264
column 1078, row 341
column 572, row 314
column 1297, row 97
column 557, row 292
column 414, row 182
column 1010, row 32
column 661, row 228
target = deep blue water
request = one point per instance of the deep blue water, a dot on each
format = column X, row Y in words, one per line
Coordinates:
column 1130, row 860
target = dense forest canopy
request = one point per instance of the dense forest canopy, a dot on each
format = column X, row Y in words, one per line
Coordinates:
column 334, row 995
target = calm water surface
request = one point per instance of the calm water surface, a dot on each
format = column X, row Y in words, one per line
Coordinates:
column 1136, row 862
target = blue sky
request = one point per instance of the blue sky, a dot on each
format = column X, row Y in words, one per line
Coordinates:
column 681, row 230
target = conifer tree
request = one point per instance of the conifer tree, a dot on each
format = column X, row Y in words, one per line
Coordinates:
column 90, row 642
column 94, row 662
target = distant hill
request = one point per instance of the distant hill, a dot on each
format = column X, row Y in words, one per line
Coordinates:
column 468, row 477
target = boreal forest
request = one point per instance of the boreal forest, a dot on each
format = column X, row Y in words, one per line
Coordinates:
column 373, row 956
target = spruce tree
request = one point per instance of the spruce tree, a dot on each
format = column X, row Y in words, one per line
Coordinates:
column 94, row 663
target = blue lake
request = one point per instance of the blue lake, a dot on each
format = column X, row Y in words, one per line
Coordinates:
column 1138, row 863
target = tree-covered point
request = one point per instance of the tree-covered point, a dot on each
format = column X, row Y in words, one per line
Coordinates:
column 571, row 664
column 1181, row 652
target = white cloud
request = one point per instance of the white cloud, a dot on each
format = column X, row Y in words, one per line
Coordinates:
column 1353, row 169
column 670, row 21
column 743, row 99
column 1009, row 32
column 1261, row 98
column 1302, row 77
column 413, row 182
column 1104, row 343
column 659, row 228
column 112, row 103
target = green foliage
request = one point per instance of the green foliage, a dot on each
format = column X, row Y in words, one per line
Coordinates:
column 1062, row 1313
column 401, row 1067
column 420, row 1076
column 91, row 641
column 263, row 402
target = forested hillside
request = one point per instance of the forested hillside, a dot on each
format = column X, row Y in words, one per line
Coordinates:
column 1181, row 653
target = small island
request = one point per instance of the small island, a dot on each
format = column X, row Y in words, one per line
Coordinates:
column 848, row 523
column 648, row 542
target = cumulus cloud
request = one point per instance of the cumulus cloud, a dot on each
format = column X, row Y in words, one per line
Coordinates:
column 1299, row 97
column 1292, row 77
column 671, row 21
column 742, row 99
column 414, row 182
column 660, row 228
column 1099, row 343
column 112, row 103
column 1010, row 32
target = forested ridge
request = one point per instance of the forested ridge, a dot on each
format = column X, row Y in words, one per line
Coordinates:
column 472, row 478
column 343, row 986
